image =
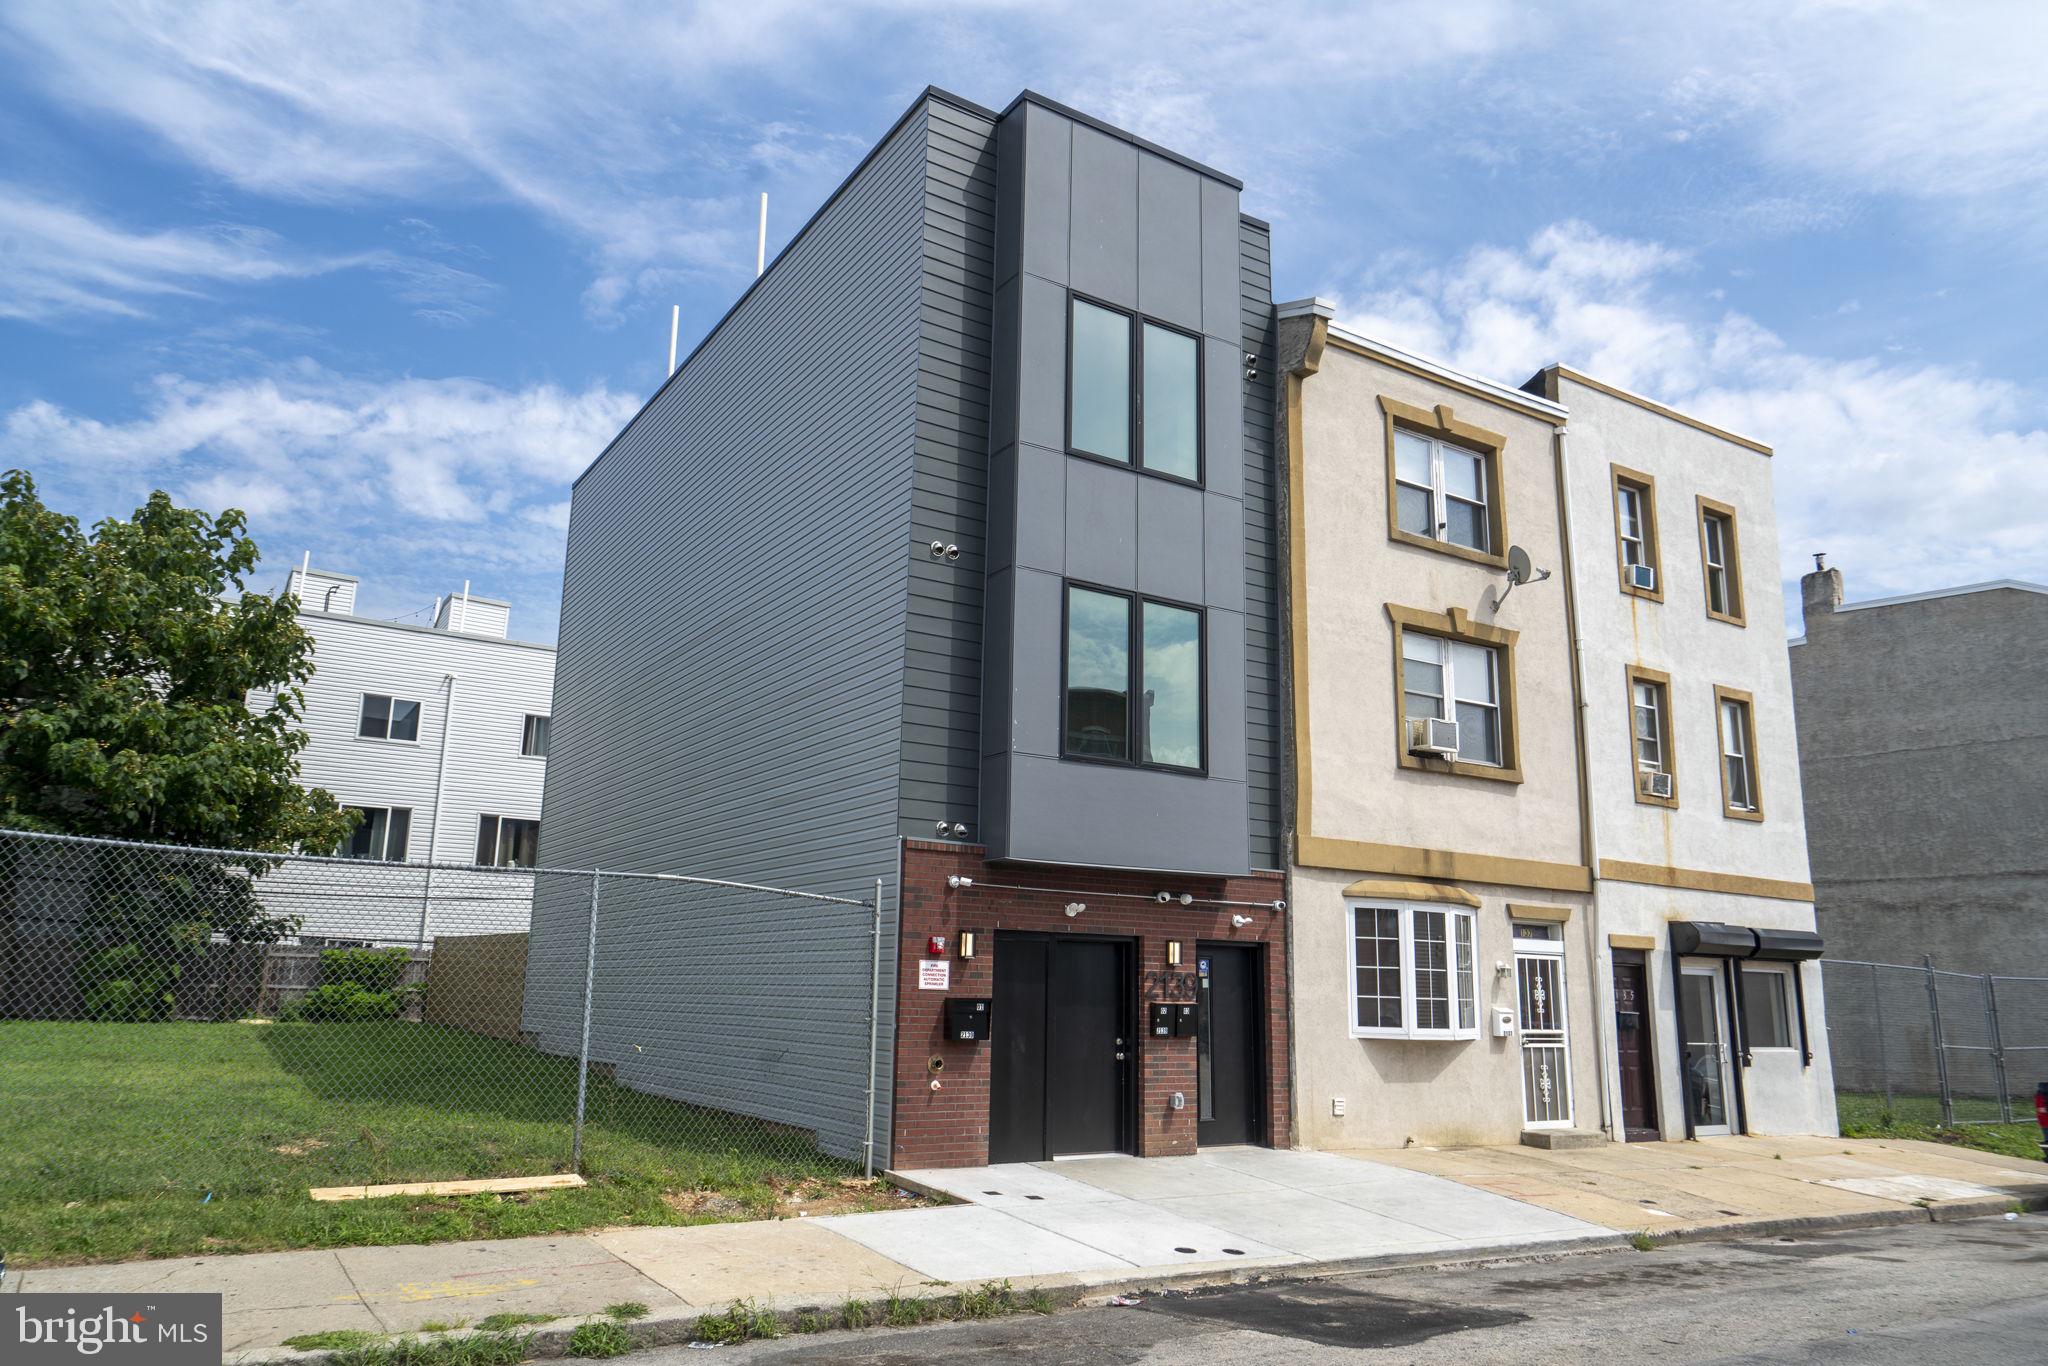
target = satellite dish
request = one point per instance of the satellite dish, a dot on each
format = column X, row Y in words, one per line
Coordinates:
column 1520, row 567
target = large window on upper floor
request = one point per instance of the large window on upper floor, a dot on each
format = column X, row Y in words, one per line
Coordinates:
column 1635, row 534
column 382, row 832
column 1133, row 680
column 1413, row 972
column 1444, row 482
column 1134, row 391
column 1451, row 669
column 1721, row 561
column 388, row 718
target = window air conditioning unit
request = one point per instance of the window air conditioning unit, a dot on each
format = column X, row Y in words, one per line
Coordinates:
column 1427, row 735
column 1653, row 784
column 1643, row 576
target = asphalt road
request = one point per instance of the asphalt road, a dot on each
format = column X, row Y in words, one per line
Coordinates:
column 1973, row 1292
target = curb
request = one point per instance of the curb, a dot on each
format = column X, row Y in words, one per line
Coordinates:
column 669, row 1327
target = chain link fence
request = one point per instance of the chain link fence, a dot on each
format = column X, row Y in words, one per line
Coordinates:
column 1927, row 1045
column 207, row 1022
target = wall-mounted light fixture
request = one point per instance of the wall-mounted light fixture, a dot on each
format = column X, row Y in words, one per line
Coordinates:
column 1075, row 908
column 956, row 881
column 1173, row 953
column 967, row 943
column 1240, row 921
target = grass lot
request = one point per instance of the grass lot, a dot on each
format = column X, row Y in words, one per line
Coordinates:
column 122, row 1141
column 1867, row 1116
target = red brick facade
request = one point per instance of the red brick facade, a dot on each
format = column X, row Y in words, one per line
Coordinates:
column 949, row 1127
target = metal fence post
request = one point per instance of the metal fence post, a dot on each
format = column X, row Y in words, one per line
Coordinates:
column 583, row 1053
column 1948, row 1101
column 1884, row 1071
column 1997, row 1048
column 874, row 1029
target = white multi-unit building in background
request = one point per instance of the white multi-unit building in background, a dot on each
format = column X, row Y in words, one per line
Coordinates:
column 437, row 735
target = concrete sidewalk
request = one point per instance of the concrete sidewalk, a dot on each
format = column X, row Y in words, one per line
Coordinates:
column 1094, row 1223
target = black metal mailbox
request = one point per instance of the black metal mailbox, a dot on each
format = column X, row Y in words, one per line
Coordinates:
column 1187, row 1019
column 967, row 1019
column 1161, row 1020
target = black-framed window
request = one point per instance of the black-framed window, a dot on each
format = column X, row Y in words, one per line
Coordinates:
column 388, row 718
column 1134, row 391
column 533, row 739
column 1120, row 647
column 507, row 841
column 382, row 832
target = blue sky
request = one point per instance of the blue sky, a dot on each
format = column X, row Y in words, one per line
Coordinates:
column 388, row 276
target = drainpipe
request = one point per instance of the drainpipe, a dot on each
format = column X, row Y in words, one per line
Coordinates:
column 1604, row 1043
column 440, row 786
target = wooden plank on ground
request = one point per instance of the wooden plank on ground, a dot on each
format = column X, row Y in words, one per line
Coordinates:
column 502, row 1185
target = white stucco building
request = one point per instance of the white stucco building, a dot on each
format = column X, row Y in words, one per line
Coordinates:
column 438, row 736
column 1712, row 1018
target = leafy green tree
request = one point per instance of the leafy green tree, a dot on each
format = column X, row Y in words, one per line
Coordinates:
column 127, row 657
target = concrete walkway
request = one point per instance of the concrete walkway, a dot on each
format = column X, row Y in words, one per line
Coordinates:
column 1097, row 1222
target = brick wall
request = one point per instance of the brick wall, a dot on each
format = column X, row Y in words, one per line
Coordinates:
column 949, row 1127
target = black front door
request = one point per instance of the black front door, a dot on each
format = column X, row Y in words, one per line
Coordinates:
column 1061, row 1072
column 1227, row 1050
column 1632, row 1038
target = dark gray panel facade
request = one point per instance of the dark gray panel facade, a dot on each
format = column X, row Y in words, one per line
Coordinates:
column 1105, row 218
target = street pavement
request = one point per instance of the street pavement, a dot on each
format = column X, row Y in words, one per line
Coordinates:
column 1974, row 1292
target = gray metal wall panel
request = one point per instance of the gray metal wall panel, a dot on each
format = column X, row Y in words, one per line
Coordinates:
column 1088, row 813
column 942, row 697
column 731, row 676
column 1262, row 585
column 1170, row 243
column 1102, row 525
column 1047, row 176
column 1170, row 540
column 1222, row 263
column 1103, row 251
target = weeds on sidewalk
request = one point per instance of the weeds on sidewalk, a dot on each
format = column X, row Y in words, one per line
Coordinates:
column 602, row 1338
column 1642, row 1242
column 334, row 1339
column 498, row 1323
column 742, row 1321
column 625, row 1311
column 481, row 1349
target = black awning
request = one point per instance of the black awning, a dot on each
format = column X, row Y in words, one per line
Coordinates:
column 1787, row 946
column 1712, row 939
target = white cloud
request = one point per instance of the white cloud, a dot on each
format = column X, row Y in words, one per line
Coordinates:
column 60, row 260
column 1911, row 476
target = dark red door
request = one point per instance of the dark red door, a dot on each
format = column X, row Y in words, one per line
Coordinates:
column 1632, row 1037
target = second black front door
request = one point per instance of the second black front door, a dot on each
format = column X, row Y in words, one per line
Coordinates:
column 1227, row 1071
column 1061, row 1073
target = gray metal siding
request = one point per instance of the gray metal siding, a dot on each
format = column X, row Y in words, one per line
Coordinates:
column 1262, row 572
column 731, row 684
column 942, row 680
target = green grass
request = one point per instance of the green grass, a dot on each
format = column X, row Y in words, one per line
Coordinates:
column 498, row 1323
column 122, row 1141
column 600, row 1339
column 333, row 1340
column 741, row 1321
column 1869, row 1116
column 625, row 1311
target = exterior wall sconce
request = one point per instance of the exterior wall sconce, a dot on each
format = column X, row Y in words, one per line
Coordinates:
column 956, row 882
column 1240, row 921
column 967, row 943
column 1173, row 953
column 1075, row 908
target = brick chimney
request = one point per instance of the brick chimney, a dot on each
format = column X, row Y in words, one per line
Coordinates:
column 1820, row 593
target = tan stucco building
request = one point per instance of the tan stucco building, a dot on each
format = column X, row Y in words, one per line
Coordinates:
column 1443, row 956
column 1549, row 869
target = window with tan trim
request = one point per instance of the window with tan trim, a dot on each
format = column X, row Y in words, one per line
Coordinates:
column 1636, row 553
column 1735, row 715
column 1448, row 667
column 1444, row 483
column 1653, row 748
column 1720, row 561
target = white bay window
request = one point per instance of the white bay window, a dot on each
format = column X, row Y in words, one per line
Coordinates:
column 1413, row 972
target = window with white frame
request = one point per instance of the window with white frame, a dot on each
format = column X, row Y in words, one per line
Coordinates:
column 1766, row 1006
column 382, row 833
column 1718, row 559
column 1440, row 491
column 1413, row 972
column 507, row 841
column 1454, row 680
column 388, row 718
column 1738, row 758
column 533, row 740
column 1631, row 524
column 1651, row 736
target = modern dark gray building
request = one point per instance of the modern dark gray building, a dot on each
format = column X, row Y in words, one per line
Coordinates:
column 1923, row 754
column 946, row 559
